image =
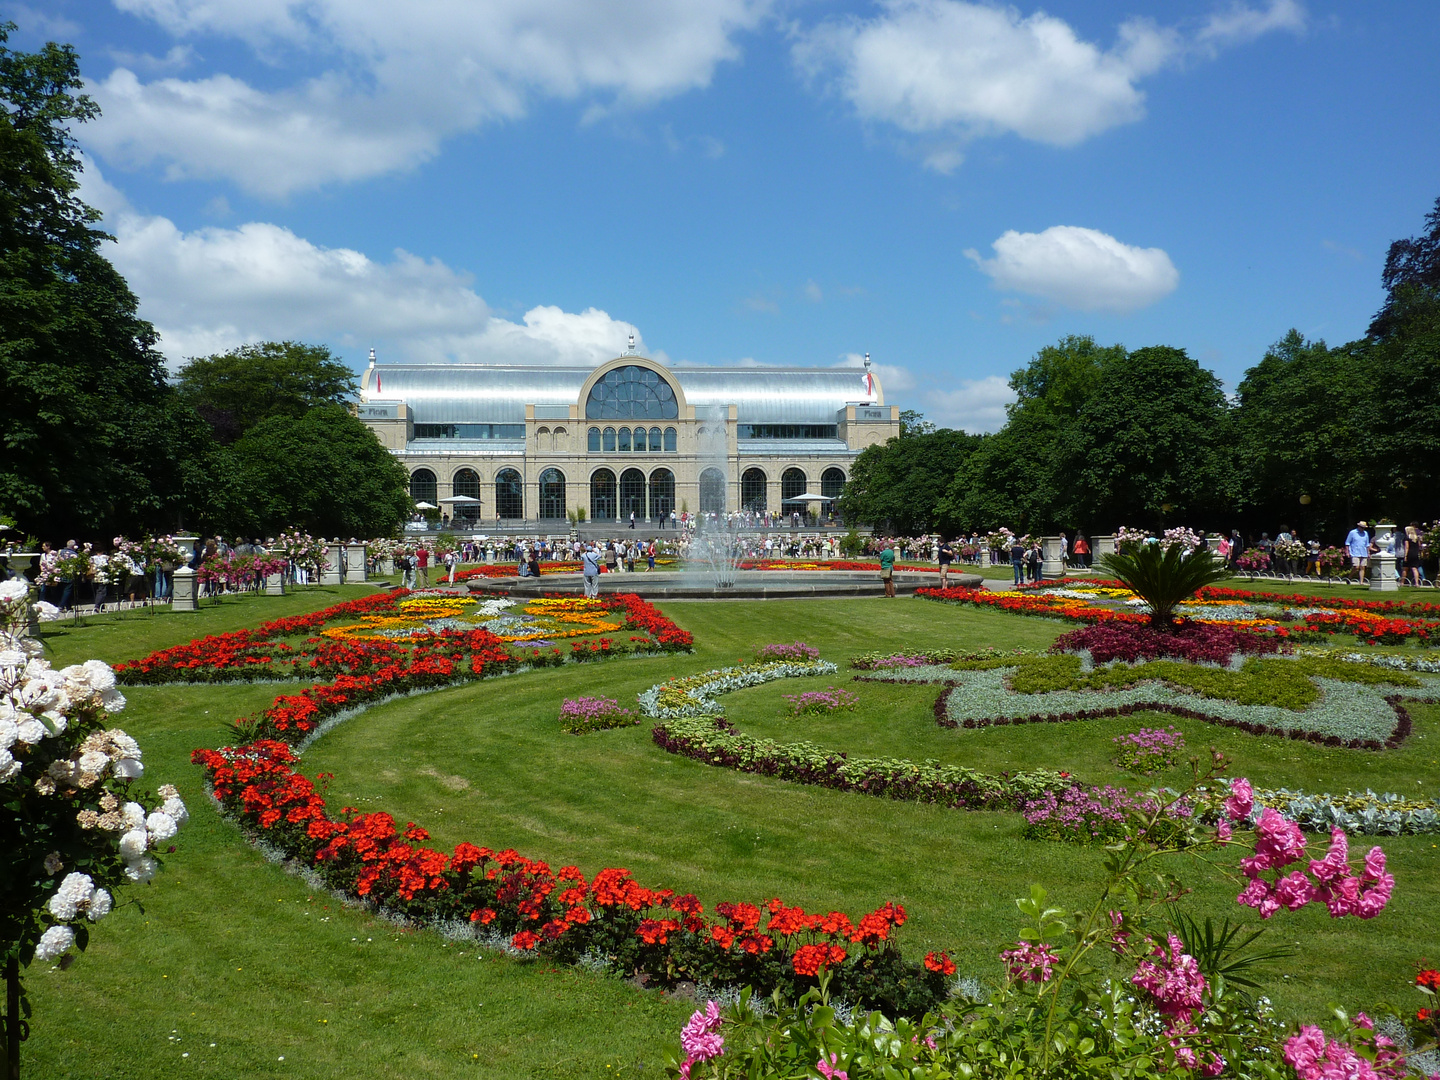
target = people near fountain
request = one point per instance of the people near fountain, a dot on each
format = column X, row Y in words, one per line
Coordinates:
column 887, row 568
column 946, row 556
column 590, row 566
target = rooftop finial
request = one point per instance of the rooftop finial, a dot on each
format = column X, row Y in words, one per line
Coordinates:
column 631, row 350
column 867, row 359
column 372, row 356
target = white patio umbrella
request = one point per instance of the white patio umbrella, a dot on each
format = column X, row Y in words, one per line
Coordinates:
column 426, row 506
column 460, row 499
column 809, row 497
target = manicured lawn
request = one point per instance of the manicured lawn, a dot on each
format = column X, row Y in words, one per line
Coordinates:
column 233, row 951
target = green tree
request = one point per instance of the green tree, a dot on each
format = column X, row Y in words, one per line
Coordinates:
column 236, row 390
column 324, row 471
column 1150, row 447
column 1413, row 263
column 901, row 483
column 83, row 396
column 1296, row 435
column 913, row 422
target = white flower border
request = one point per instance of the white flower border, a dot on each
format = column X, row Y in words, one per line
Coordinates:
column 723, row 681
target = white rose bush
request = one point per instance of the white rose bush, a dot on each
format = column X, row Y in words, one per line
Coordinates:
column 74, row 825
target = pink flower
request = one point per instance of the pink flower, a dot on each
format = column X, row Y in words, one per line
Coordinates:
column 1241, row 801
column 1278, row 839
column 700, row 1038
column 1174, row 980
column 1294, row 890
column 1335, row 864
column 1223, row 831
column 831, row 1069
column 1030, row 963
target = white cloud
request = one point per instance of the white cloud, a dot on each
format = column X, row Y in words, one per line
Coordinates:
column 1079, row 268
column 966, row 70
column 213, row 289
column 813, row 292
column 402, row 78
column 978, row 405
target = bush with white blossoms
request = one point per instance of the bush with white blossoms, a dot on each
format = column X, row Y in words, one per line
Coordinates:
column 74, row 825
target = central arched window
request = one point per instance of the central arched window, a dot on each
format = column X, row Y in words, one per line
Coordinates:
column 662, row 494
column 631, row 393
column 752, row 490
column 632, row 494
column 602, row 495
column 552, row 494
column 792, row 484
column 509, row 495
column 423, row 487
column 712, row 492
column 832, row 483
column 467, row 483
column 625, row 439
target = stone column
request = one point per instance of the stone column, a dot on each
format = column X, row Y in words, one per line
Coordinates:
column 1103, row 545
column 183, row 592
column 984, row 555
column 355, row 562
column 275, row 584
column 1052, row 565
column 330, row 571
column 1382, row 566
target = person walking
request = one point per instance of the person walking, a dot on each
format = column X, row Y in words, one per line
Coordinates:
column 650, row 554
column 590, row 565
column 1017, row 560
column 1357, row 543
column 945, row 556
column 887, row 568
column 1082, row 550
column 422, row 560
column 632, row 519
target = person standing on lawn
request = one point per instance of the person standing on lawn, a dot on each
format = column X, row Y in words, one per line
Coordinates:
column 887, row 568
column 422, row 560
column 590, row 563
column 1357, row 543
column 1017, row 560
column 945, row 555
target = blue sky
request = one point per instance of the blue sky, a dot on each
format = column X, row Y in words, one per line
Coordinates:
column 947, row 185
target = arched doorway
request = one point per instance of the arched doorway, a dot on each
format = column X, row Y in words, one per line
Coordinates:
column 662, row 494
column 632, row 494
column 423, row 487
column 832, row 482
column 552, row 494
column 712, row 492
column 602, row 495
column 509, row 495
column 752, row 490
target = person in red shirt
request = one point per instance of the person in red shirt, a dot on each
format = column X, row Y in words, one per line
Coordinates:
column 422, row 556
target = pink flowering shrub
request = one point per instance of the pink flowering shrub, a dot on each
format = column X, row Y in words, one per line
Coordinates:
column 1149, row 750
column 1097, row 815
column 1370, row 1056
column 700, row 1038
column 584, row 714
column 820, row 702
column 796, row 650
column 1030, row 963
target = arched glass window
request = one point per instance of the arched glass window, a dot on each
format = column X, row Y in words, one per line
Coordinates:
column 552, row 494
column 672, row 439
column 832, row 482
column 632, row 494
column 423, row 487
column 509, row 495
column 792, row 483
column 752, row 490
column 625, row 439
column 640, row 443
column 662, row 494
column 609, row 440
column 592, row 440
column 467, row 483
column 602, row 495
column 712, row 492
column 631, row 393
column 655, row 440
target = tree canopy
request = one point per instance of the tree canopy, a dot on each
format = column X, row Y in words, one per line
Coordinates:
column 236, row 390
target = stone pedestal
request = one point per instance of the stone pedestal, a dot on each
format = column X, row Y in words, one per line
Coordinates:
column 355, row 562
column 1103, row 545
column 275, row 585
column 1052, row 562
column 1383, row 575
column 183, row 595
column 330, row 568
column 984, row 556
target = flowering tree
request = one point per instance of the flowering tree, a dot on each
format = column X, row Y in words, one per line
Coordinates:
column 73, row 825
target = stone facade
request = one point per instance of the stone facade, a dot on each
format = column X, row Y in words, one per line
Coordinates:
column 632, row 434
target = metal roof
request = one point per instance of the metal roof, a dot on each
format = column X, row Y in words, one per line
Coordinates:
column 498, row 394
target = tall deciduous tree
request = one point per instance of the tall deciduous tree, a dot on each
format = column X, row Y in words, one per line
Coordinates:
column 901, row 483
column 236, row 390
column 82, row 387
column 1413, row 263
column 324, row 471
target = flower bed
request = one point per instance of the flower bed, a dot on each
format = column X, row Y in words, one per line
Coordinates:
column 835, row 564
column 1359, row 813
column 1149, row 750
column 694, row 695
column 1193, row 641
column 821, row 702
column 511, row 569
column 582, row 715
column 1096, row 815
column 795, row 651
column 887, row 661
column 507, row 899
column 1033, row 602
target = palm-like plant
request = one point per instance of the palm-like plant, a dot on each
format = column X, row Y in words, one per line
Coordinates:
column 1164, row 575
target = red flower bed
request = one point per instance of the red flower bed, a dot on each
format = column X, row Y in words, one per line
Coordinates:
column 1379, row 607
column 508, row 570
column 558, row 914
column 1035, row 603
column 1196, row 642
column 834, row 564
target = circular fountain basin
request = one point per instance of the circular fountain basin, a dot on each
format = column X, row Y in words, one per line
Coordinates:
column 749, row 584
